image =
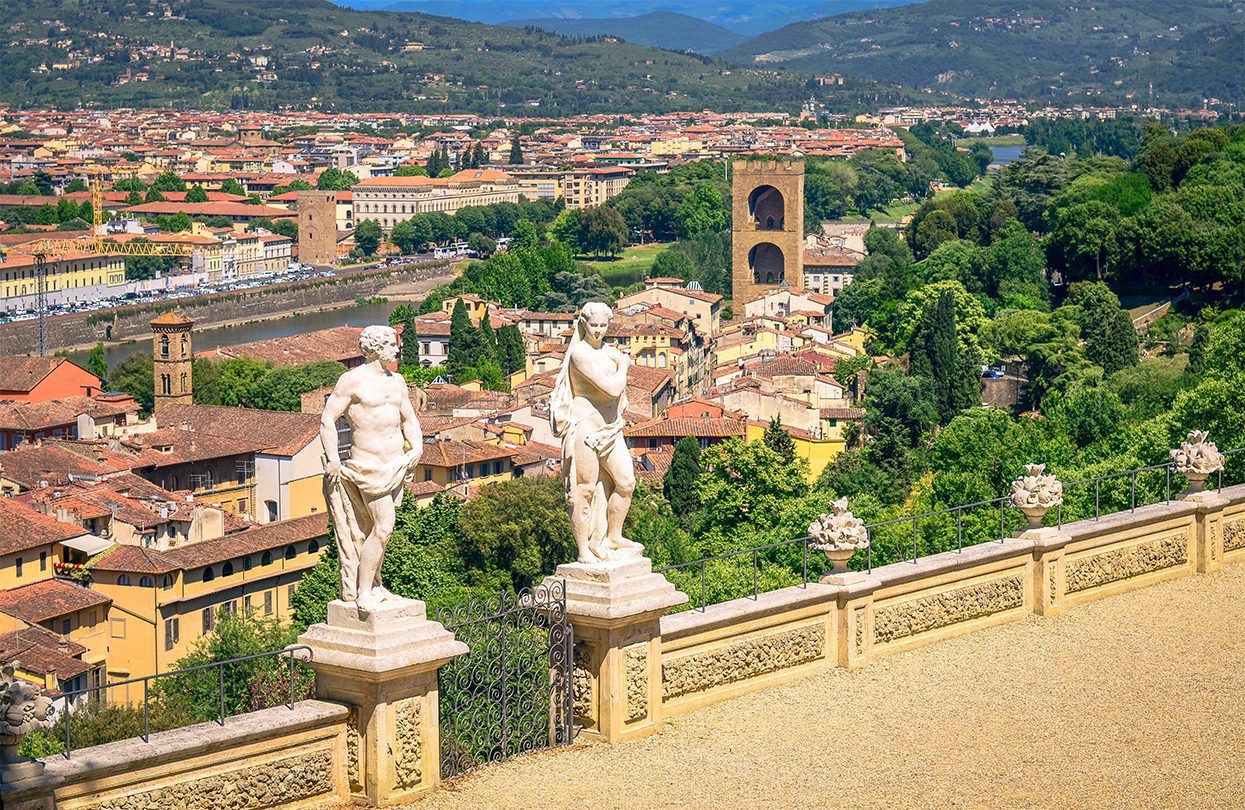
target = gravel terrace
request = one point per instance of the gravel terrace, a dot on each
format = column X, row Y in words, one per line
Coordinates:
column 1136, row 700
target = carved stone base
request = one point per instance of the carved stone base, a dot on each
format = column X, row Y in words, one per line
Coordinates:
column 846, row 578
column 19, row 769
column 384, row 667
column 619, row 590
column 615, row 609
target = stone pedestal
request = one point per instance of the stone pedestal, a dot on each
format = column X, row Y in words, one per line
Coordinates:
column 615, row 609
column 384, row 667
column 1048, row 583
column 1209, row 537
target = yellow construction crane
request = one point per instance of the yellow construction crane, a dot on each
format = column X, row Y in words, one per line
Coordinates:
column 97, row 243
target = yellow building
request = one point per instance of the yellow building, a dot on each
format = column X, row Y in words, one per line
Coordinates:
column 163, row 602
column 390, row 200
column 818, row 452
column 89, row 273
column 452, row 461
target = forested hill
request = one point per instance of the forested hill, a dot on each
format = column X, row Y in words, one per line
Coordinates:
column 660, row 29
column 312, row 53
column 1035, row 49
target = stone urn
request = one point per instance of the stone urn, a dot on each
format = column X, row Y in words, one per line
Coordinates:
column 838, row 535
column 23, row 709
column 1196, row 459
column 1035, row 493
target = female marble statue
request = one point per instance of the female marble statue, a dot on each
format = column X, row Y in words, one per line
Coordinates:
column 586, row 413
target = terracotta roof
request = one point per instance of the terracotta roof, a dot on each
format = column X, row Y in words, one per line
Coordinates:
column 41, row 651
column 49, row 599
column 688, row 426
column 261, row 538
column 22, row 374
column 282, row 433
column 171, row 318
column 339, row 343
column 28, row 464
column 33, row 416
column 184, row 446
column 134, row 560
column 453, row 452
column 843, row 413
column 23, row 527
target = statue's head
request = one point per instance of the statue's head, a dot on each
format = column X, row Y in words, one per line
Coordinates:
column 595, row 318
column 379, row 343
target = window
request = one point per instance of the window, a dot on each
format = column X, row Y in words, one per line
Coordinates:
column 290, row 552
column 146, row 582
column 164, row 345
column 271, row 506
column 227, row 569
column 242, row 505
column 427, row 473
column 246, row 563
column 123, row 579
column 267, row 603
column 496, row 468
column 116, row 628
column 246, row 606
column 172, row 633
column 266, row 558
column 19, row 566
column 230, row 607
column 209, row 620
column 43, row 561
column 208, row 574
column 66, row 626
column 313, row 546
column 168, row 582
column 289, row 595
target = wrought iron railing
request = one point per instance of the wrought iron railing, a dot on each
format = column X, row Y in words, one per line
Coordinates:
column 295, row 689
column 812, row 565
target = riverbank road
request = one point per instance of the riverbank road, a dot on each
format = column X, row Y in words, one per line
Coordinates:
column 1133, row 701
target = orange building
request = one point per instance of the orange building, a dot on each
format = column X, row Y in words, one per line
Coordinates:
column 44, row 379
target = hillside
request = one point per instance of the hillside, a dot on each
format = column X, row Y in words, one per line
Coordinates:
column 310, row 53
column 659, row 29
column 1049, row 49
column 747, row 19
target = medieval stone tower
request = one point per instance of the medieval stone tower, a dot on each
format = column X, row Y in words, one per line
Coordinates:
column 172, row 358
column 767, row 226
column 317, row 227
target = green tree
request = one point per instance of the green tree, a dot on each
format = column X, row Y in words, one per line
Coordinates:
column 936, row 354
column 679, row 483
column 336, row 180
column 175, row 223
column 602, row 231
column 481, row 244
column 134, row 198
column 511, row 351
column 463, row 352
column 367, row 236
column 196, row 194
column 1110, row 339
column 516, row 152
column 515, row 532
column 232, row 186
column 410, row 340
column 779, row 440
column 702, row 211
column 153, row 195
column 410, row 170
column 227, row 382
column 743, row 492
column 404, row 236
column 145, row 267
column 1197, row 349
column 75, row 185
column 565, row 229
column 168, row 182
column 281, row 389
column 97, row 361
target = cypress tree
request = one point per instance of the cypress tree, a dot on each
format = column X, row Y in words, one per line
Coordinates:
column 410, row 341
column 516, row 151
column 510, row 349
column 1197, row 350
column 486, row 345
column 480, row 158
column 463, row 337
column 679, row 485
column 779, row 440
column 937, row 354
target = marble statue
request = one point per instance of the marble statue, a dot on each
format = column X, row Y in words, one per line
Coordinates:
column 365, row 490
column 586, row 413
column 23, row 709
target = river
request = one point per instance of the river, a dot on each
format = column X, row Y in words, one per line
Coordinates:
column 214, row 337
column 1006, row 154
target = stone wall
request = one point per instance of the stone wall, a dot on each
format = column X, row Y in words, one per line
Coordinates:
column 280, row 757
column 128, row 323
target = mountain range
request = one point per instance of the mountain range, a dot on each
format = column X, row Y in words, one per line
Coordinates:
column 660, row 29
column 1031, row 49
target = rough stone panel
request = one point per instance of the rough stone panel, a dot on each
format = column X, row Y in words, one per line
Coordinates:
column 636, row 660
column 408, row 742
column 739, row 662
column 581, row 681
column 1234, row 534
column 1126, row 563
column 944, row 609
column 352, row 750
column 860, row 631
column 270, row 784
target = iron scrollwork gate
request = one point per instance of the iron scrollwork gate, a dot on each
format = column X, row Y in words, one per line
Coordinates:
column 511, row 692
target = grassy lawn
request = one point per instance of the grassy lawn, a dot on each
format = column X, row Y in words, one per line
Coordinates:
column 632, row 266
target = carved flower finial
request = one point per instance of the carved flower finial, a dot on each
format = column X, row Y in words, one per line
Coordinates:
column 839, row 531
column 1196, row 457
column 1036, row 489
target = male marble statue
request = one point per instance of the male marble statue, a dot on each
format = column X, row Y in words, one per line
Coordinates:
column 365, row 490
column 586, row 412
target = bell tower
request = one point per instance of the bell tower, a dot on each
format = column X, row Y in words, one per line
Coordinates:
column 767, row 226
column 172, row 358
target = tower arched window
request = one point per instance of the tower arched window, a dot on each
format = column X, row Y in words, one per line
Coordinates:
column 164, row 345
